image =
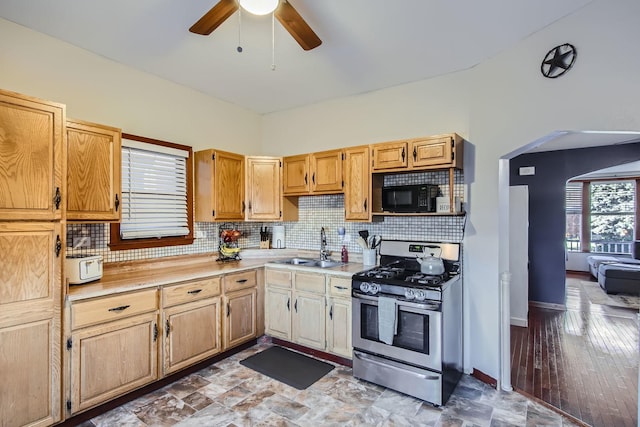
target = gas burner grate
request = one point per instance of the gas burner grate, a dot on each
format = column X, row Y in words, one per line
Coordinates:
column 426, row 279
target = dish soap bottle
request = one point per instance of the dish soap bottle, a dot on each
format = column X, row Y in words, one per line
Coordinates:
column 345, row 254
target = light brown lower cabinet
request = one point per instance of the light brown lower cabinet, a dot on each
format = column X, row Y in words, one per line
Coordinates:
column 111, row 359
column 239, row 317
column 192, row 333
column 113, row 347
column 30, row 322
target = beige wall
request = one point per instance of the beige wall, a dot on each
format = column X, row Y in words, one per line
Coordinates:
column 100, row 90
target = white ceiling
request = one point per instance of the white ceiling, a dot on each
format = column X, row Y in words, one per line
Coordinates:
column 367, row 44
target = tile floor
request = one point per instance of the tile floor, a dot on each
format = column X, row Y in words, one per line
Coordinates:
column 229, row 394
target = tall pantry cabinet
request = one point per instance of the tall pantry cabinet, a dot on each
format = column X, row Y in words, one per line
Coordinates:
column 32, row 200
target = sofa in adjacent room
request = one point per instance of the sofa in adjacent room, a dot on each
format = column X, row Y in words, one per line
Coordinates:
column 616, row 274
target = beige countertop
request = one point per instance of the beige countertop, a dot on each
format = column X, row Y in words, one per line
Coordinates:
column 136, row 275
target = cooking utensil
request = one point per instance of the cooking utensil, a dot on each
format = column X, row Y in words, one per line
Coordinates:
column 362, row 243
column 376, row 241
column 364, row 234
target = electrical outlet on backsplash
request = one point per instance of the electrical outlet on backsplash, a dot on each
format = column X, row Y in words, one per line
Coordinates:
column 315, row 212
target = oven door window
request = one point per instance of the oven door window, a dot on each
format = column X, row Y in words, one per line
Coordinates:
column 413, row 328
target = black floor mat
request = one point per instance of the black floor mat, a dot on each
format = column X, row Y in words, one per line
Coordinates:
column 289, row 367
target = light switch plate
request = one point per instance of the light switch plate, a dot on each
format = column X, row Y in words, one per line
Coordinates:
column 528, row 170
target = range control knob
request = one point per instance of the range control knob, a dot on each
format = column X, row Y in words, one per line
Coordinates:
column 409, row 293
column 421, row 295
column 374, row 288
column 365, row 287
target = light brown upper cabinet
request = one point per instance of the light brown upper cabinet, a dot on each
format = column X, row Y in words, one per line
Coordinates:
column 315, row 173
column 93, row 171
column 219, row 186
column 434, row 152
column 32, row 135
column 357, row 184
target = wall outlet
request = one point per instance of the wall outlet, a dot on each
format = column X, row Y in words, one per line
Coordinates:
column 200, row 234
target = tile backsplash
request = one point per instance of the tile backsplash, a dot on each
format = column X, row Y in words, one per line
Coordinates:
column 314, row 212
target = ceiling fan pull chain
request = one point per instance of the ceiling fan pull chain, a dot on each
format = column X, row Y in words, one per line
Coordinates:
column 239, row 48
column 273, row 41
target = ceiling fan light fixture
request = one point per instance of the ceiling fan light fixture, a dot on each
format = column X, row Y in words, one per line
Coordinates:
column 259, row 7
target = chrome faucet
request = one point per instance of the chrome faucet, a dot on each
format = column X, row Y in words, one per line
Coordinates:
column 323, row 245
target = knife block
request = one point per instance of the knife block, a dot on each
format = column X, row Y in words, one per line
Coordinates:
column 264, row 244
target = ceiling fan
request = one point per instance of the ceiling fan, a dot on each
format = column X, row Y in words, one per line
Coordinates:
column 284, row 12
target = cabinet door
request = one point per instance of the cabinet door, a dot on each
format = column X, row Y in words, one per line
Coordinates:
column 32, row 134
column 339, row 327
column 93, row 172
column 278, row 312
column 391, row 155
column 357, row 184
column 239, row 317
column 219, row 186
column 264, row 196
column 309, row 320
column 112, row 359
column 192, row 333
column 326, row 172
column 30, row 324
column 229, row 186
column 431, row 152
column 295, row 174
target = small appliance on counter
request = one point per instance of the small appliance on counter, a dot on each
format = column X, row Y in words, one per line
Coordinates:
column 278, row 237
column 83, row 268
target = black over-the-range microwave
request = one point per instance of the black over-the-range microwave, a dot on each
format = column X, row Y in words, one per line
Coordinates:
column 410, row 198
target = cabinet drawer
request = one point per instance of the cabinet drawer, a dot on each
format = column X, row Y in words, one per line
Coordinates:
column 310, row 282
column 339, row 286
column 115, row 307
column 279, row 278
column 192, row 291
column 236, row 281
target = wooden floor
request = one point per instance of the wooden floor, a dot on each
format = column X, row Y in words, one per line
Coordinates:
column 583, row 361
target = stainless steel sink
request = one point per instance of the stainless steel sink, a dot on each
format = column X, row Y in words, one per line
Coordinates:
column 308, row 262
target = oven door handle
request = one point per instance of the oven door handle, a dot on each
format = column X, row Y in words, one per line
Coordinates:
column 384, row 365
column 420, row 307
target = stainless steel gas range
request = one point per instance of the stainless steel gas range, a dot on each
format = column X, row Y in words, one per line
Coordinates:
column 407, row 326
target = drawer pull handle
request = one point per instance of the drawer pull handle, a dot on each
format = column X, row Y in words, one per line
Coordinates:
column 167, row 327
column 155, row 332
column 342, row 288
column 228, row 309
column 58, row 246
column 195, row 291
column 57, row 198
column 331, row 312
column 295, row 305
column 121, row 308
column 288, row 304
column 241, row 281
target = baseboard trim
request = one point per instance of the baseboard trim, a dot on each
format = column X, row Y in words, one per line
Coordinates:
column 548, row 305
column 516, row 321
column 316, row 353
column 487, row 379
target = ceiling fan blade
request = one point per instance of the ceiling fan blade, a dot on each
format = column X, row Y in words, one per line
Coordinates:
column 296, row 26
column 216, row 16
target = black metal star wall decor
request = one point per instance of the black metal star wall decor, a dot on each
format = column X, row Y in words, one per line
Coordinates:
column 558, row 60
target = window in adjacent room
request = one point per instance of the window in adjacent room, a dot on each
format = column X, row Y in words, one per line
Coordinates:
column 156, row 195
column 601, row 216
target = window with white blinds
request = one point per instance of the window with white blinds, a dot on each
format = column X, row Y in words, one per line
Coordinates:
column 574, row 198
column 154, row 191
